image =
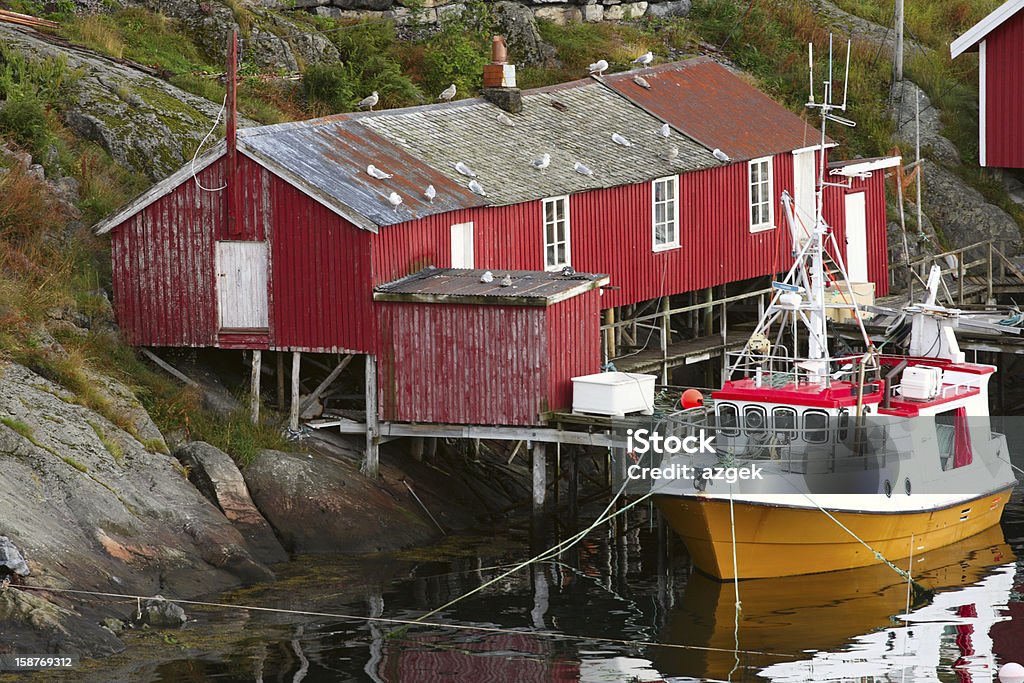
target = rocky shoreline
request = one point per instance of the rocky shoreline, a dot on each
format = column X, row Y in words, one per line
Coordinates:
column 89, row 508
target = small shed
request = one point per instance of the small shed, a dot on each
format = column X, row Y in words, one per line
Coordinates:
column 999, row 41
column 461, row 347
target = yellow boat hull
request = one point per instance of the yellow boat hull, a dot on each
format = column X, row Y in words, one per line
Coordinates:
column 775, row 540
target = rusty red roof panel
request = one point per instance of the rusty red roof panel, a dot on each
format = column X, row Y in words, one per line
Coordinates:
column 501, row 287
column 716, row 107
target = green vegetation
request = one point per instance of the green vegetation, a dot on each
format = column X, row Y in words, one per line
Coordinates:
column 113, row 447
column 18, row 426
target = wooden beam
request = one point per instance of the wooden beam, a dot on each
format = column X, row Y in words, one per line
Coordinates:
column 280, row 380
column 540, row 477
column 326, row 383
column 293, row 419
column 254, row 386
column 169, row 368
column 371, row 462
column 545, row 434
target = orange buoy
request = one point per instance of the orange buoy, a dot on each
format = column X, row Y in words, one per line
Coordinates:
column 691, row 399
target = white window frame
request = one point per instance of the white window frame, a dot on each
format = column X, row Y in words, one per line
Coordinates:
column 674, row 242
column 567, row 236
column 769, row 163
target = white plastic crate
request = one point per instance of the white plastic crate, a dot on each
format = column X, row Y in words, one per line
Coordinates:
column 613, row 393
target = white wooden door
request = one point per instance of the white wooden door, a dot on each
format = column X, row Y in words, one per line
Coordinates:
column 242, row 285
column 462, row 245
column 856, row 238
column 804, row 177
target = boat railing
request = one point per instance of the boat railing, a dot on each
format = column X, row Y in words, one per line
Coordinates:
column 779, row 369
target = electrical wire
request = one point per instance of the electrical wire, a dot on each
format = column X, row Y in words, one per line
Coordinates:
column 195, row 156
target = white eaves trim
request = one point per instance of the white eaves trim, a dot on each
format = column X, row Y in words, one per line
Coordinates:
column 977, row 32
column 856, row 170
column 811, row 148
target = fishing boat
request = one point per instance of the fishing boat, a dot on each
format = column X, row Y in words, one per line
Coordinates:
column 839, row 460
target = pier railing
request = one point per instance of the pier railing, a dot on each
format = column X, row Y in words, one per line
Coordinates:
column 984, row 261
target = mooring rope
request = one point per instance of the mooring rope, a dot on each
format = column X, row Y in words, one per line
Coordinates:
column 394, row 620
column 736, row 586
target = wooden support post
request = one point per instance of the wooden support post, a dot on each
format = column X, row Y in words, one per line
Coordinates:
column 540, row 477
column 709, row 312
column 574, row 486
column 280, row 380
column 371, row 463
column 254, row 386
column 416, row 448
column 666, row 336
column 988, row 281
column 960, row 278
column 609, row 337
column 293, row 419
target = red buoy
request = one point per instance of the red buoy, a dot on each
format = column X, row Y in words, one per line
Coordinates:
column 692, row 398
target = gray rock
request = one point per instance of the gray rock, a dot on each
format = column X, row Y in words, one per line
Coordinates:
column 214, row 473
column 676, row 8
column 36, row 171
column 625, row 11
column 113, row 624
column 938, row 147
column 323, row 505
column 961, row 212
column 161, row 613
column 517, row 23
column 11, row 560
column 592, row 13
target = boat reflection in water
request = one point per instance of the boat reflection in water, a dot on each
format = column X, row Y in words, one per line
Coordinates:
column 849, row 625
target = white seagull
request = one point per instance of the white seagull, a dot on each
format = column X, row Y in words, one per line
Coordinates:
column 541, row 162
column 665, row 131
column 464, row 169
column 476, row 188
column 394, row 199
column 642, row 82
column 581, row 169
column 670, row 154
column 448, row 93
column 377, row 173
column 487, row 277
column 369, row 102
column 506, row 281
column 620, row 140
column 505, row 120
column 720, row 155
column 644, row 59
column 599, row 67
column 430, row 193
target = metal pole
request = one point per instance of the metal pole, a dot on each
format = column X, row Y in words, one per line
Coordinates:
column 254, row 386
column 898, row 51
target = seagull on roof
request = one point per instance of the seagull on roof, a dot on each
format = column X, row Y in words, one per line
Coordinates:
column 430, row 193
column 394, row 200
column 621, row 140
column 464, row 169
column 599, row 67
column 670, row 154
column 377, row 173
column 448, row 93
column 506, row 281
column 665, row 131
column 505, row 120
column 644, row 59
column 541, row 162
column 581, row 169
column 369, row 102
column 642, row 82
column 487, row 277
column 476, row 188
column 720, row 155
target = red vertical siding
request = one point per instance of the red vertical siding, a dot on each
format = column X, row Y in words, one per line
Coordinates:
column 574, row 345
column 877, row 238
column 1004, row 95
column 322, row 294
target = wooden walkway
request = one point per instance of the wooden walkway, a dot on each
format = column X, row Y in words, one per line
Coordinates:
column 680, row 353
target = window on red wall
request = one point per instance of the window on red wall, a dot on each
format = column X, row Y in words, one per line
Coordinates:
column 762, row 216
column 556, row 233
column 665, row 213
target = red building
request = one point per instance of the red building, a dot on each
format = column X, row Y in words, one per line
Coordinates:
column 999, row 41
column 334, row 209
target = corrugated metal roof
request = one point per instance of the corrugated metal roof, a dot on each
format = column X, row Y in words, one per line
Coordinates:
column 717, row 108
column 460, row 285
column 573, row 123
column 327, row 158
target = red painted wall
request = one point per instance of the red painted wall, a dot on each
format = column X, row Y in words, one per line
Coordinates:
column 1004, row 95
column 473, row 364
column 877, row 240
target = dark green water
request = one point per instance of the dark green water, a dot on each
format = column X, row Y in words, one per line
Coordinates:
column 842, row 626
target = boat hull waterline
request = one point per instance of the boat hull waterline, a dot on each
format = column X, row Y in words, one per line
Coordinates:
column 781, row 540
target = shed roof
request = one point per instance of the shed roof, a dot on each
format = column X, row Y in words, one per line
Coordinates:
column 717, row 108
column 464, row 286
column 974, row 35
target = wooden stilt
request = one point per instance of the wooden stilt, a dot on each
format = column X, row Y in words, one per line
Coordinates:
column 574, row 486
column 371, row 462
column 416, row 448
column 609, row 339
column 254, row 386
column 293, row 419
column 279, row 375
column 540, row 477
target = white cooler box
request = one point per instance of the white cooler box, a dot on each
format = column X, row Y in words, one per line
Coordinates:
column 613, row 393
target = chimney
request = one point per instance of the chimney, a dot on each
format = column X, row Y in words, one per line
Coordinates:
column 500, row 79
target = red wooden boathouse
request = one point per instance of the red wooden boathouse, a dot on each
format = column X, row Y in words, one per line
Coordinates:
column 999, row 41
column 633, row 191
